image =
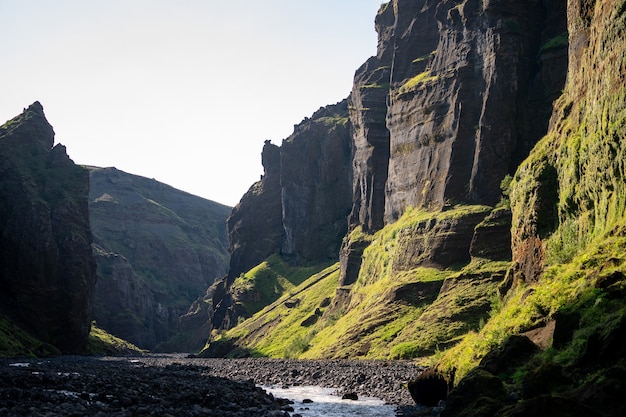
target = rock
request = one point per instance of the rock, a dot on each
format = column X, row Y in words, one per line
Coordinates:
column 565, row 324
column 350, row 396
column 299, row 206
column 548, row 406
column 606, row 394
column 479, row 394
column 543, row 380
column 459, row 120
column 48, row 271
column 514, row 351
column 429, row 388
column 492, row 236
column 350, row 259
column 437, row 242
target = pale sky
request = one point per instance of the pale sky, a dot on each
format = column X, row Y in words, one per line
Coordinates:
column 183, row 91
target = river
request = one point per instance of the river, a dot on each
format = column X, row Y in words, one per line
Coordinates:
column 324, row 403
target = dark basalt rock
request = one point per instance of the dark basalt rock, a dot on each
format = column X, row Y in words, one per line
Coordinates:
column 429, row 388
column 479, row 394
column 259, row 213
column 492, row 237
column 47, row 271
column 514, row 351
column 299, row 206
column 543, row 380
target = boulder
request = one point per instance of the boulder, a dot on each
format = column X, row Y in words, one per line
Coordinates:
column 429, row 388
column 514, row 351
column 478, row 394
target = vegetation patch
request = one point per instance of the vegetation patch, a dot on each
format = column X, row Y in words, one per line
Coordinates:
column 15, row 342
column 268, row 281
column 277, row 329
column 564, row 287
column 417, row 81
column 387, row 314
column 559, row 41
column 103, row 343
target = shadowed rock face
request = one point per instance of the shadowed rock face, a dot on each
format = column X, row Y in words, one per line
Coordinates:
column 300, row 205
column 299, row 208
column 157, row 250
column 47, row 272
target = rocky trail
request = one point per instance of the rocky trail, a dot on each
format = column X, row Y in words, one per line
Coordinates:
column 173, row 385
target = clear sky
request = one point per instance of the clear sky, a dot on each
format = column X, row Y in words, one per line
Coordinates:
column 183, row 91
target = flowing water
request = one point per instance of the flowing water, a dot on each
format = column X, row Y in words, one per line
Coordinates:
column 326, row 404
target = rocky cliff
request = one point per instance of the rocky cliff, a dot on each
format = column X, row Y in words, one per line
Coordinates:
column 157, row 250
column 456, row 96
column 47, row 272
column 298, row 209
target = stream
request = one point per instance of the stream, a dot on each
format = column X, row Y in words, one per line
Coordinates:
column 323, row 402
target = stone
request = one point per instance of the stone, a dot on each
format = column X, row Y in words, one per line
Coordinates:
column 514, row 351
column 478, row 394
column 350, row 396
column 429, row 388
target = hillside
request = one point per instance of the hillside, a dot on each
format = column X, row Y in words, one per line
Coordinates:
column 486, row 235
column 157, row 249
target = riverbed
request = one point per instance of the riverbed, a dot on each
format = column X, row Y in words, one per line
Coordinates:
column 175, row 385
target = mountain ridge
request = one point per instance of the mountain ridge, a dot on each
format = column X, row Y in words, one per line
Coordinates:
column 157, row 250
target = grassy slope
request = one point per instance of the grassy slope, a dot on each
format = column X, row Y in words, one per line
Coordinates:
column 15, row 342
column 580, row 169
column 317, row 320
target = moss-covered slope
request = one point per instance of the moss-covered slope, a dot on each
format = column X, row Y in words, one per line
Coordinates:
column 404, row 304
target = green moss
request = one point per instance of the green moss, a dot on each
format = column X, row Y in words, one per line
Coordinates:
column 559, row 41
column 102, row 343
column 15, row 342
column 268, row 281
column 382, row 86
column 568, row 286
column 336, row 120
column 416, row 81
column 373, row 321
column 277, row 329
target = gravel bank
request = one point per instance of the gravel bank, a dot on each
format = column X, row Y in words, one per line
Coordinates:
column 170, row 385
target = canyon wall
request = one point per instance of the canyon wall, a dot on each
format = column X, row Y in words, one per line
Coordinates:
column 47, row 271
column 157, row 250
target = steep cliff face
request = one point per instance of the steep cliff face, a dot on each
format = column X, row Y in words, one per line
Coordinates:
column 255, row 225
column 315, row 183
column 454, row 100
column 157, row 250
column 47, row 272
column 571, row 190
column 298, row 209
